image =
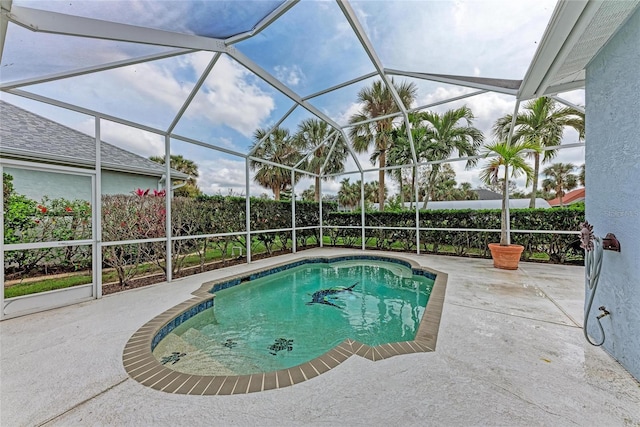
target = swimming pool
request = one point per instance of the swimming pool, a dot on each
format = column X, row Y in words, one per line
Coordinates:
column 293, row 316
column 288, row 323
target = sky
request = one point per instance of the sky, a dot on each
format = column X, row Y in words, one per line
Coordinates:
column 309, row 48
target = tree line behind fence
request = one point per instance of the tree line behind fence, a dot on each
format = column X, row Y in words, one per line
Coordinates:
column 142, row 215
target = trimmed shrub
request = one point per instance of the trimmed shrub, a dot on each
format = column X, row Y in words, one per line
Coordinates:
column 559, row 248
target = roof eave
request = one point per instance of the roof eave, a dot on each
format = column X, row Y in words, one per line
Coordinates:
column 554, row 47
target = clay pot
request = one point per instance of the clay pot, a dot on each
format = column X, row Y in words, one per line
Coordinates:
column 505, row 257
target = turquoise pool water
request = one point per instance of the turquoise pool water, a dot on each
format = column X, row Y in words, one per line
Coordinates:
column 288, row 318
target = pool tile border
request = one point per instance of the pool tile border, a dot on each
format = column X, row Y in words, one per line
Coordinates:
column 143, row 367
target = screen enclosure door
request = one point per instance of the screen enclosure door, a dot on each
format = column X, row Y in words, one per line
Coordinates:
column 49, row 248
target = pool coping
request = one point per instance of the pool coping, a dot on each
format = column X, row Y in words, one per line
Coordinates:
column 142, row 366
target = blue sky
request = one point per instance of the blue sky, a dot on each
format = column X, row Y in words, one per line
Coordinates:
column 309, row 48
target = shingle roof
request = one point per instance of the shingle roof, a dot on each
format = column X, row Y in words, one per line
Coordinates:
column 24, row 134
column 487, row 194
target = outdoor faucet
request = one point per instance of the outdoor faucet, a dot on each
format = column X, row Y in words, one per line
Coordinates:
column 604, row 311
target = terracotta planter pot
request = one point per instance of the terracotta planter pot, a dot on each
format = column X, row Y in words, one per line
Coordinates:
column 505, row 257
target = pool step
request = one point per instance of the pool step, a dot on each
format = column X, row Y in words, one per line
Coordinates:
column 195, row 360
column 226, row 354
column 172, row 343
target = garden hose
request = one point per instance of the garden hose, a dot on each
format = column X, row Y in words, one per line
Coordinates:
column 593, row 264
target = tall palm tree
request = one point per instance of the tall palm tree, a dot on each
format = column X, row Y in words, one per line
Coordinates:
column 279, row 148
column 378, row 101
column 400, row 152
column 511, row 158
column 542, row 122
column 560, row 177
column 397, row 155
column 312, row 135
column 581, row 175
column 450, row 132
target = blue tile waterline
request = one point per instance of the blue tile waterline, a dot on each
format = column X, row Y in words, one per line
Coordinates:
column 166, row 329
column 236, row 281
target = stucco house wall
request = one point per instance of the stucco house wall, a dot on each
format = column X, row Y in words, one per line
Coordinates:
column 36, row 183
column 125, row 183
column 613, row 194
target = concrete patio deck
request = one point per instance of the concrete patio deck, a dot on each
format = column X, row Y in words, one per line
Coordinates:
column 510, row 352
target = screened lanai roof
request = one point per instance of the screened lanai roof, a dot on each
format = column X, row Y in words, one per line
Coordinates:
column 211, row 73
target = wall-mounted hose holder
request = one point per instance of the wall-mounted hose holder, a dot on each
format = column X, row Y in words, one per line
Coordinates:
column 593, row 249
column 610, row 243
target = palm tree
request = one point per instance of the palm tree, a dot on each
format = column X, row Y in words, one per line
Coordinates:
column 377, row 101
column 560, row 177
column 397, row 155
column 400, row 152
column 465, row 192
column 279, row 148
column 186, row 166
column 581, row 175
column 542, row 122
column 447, row 133
column 509, row 156
column 349, row 194
column 312, row 135
column 444, row 184
column 372, row 191
column 308, row 195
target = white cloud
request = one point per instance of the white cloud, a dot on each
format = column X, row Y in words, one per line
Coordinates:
column 232, row 96
column 137, row 141
column 232, row 99
column 457, row 37
column 291, row 76
column 224, row 175
column 152, row 81
column 342, row 117
column 487, row 107
column 226, row 142
column 575, row 97
column 152, row 93
column 459, row 12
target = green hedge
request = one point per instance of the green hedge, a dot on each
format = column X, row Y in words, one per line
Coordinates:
column 558, row 248
column 142, row 216
column 227, row 214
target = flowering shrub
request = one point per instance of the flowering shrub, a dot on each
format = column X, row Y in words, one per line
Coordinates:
column 50, row 220
column 137, row 217
column 188, row 219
